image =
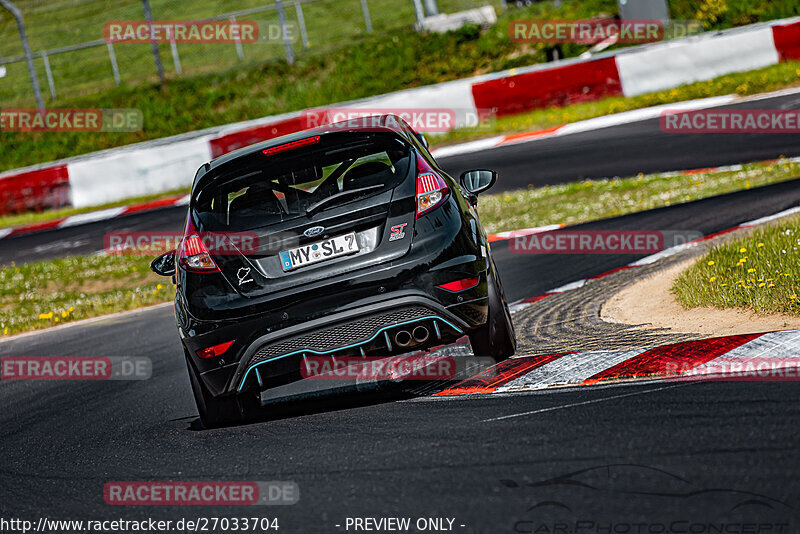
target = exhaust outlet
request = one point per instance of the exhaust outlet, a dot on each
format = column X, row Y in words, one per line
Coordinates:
column 420, row 334
column 402, row 338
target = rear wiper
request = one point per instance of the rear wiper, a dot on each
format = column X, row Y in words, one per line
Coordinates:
column 316, row 206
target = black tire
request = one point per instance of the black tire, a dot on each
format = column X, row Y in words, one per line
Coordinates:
column 221, row 411
column 496, row 338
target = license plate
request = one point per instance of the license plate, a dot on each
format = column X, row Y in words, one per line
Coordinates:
column 334, row 247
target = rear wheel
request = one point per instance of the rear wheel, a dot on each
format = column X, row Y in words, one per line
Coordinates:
column 496, row 338
column 221, row 411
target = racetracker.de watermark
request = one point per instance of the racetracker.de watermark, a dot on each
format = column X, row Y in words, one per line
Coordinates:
column 585, row 31
column 769, row 369
column 181, row 31
column 600, row 241
column 198, row 493
column 730, row 121
column 592, row 31
column 423, row 120
column 412, row 367
column 155, row 243
column 75, row 368
column 71, row 120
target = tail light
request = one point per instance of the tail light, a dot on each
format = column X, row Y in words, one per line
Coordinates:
column 193, row 254
column 432, row 190
column 460, row 285
column 291, row 146
column 216, row 350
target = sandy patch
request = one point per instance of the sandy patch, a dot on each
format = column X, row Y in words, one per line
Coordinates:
column 650, row 301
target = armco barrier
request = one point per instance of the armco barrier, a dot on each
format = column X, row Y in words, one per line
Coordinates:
column 36, row 190
column 787, row 41
column 559, row 86
column 165, row 164
column 136, row 172
column 229, row 142
column 692, row 60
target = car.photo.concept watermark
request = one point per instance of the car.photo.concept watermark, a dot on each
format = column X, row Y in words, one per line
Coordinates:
column 640, row 499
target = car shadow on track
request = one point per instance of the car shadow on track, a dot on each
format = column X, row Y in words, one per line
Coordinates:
column 331, row 400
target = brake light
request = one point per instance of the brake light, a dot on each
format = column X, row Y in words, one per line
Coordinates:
column 193, row 254
column 290, row 146
column 460, row 285
column 216, row 350
column 432, row 190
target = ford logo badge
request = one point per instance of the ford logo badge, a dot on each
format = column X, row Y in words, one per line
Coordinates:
column 314, row 230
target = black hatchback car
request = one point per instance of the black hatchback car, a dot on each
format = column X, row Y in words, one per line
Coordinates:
column 343, row 240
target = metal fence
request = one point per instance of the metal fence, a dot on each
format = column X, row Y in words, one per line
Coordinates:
column 72, row 57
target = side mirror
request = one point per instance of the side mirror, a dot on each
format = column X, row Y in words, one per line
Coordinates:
column 422, row 139
column 478, row 181
column 164, row 265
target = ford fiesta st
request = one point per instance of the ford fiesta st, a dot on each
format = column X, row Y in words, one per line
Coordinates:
column 350, row 240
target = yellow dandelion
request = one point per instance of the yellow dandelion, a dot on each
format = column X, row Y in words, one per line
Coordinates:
column 711, row 262
column 793, row 296
column 64, row 314
column 760, row 245
column 742, row 250
column 762, row 284
column 713, row 278
column 751, row 270
column 48, row 315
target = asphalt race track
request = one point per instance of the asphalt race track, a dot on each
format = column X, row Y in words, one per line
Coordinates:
column 627, row 150
column 679, row 454
column 615, row 151
column 620, row 458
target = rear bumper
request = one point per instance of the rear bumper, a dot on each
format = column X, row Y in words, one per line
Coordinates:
column 367, row 331
column 364, row 330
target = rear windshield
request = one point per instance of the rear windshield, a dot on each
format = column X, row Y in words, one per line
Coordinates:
column 265, row 190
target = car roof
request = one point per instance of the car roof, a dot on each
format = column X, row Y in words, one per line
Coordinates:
column 380, row 123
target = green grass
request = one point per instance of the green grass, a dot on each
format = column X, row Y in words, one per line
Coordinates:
column 331, row 24
column 334, row 27
column 759, row 272
column 598, row 199
column 49, row 293
column 196, row 102
column 217, row 91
